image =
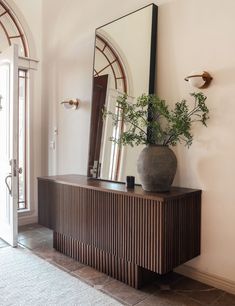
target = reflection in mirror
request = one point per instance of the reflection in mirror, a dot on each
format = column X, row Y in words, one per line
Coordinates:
column 124, row 62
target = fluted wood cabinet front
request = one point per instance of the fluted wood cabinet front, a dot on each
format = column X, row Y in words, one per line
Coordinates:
column 126, row 234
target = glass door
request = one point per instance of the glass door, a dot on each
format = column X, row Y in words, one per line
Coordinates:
column 9, row 171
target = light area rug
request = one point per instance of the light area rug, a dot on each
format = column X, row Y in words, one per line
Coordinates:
column 26, row 279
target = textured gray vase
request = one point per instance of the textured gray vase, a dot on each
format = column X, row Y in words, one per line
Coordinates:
column 156, row 167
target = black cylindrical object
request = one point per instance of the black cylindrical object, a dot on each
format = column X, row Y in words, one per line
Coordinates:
column 130, row 182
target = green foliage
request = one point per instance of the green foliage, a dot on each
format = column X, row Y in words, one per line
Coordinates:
column 151, row 121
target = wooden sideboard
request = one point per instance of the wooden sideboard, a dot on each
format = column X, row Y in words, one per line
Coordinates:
column 129, row 234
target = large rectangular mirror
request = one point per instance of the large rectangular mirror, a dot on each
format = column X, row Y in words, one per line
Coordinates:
column 124, row 62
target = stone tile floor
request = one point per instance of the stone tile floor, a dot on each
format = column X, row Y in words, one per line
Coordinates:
column 170, row 290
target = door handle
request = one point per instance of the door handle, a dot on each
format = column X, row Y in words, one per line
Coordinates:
column 19, row 170
column 6, row 182
column 14, row 168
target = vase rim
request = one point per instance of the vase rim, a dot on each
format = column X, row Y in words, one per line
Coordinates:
column 157, row 145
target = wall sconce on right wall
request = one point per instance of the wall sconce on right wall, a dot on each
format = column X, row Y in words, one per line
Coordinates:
column 199, row 79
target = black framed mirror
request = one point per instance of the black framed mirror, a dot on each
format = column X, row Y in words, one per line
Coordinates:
column 124, row 62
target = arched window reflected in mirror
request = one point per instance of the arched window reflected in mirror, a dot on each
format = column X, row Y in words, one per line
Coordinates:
column 110, row 70
column 109, row 62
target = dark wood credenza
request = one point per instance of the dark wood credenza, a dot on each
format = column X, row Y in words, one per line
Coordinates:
column 129, row 234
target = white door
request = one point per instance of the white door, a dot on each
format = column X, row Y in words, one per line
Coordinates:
column 9, row 145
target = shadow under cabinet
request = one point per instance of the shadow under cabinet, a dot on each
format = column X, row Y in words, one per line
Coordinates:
column 131, row 235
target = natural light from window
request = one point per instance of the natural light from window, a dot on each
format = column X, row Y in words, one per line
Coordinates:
column 22, row 139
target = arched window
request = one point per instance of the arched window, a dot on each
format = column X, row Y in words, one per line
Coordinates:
column 11, row 31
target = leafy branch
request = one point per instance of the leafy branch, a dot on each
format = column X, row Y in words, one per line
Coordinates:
column 151, row 121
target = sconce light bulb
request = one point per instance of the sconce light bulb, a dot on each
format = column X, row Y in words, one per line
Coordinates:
column 199, row 79
column 196, row 82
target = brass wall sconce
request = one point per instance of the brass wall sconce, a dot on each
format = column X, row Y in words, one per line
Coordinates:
column 199, row 80
column 71, row 103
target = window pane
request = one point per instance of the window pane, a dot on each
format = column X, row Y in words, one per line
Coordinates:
column 22, row 140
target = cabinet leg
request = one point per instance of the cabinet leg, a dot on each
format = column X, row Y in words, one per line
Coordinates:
column 102, row 261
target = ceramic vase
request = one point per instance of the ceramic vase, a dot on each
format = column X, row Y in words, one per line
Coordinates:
column 156, row 167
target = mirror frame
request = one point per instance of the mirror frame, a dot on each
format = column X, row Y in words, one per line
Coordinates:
column 152, row 74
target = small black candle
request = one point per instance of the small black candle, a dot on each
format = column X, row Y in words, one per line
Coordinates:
column 130, row 182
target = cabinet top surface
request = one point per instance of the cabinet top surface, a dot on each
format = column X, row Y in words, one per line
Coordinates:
column 87, row 182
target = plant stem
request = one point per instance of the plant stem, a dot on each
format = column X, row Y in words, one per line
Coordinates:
column 136, row 126
column 128, row 121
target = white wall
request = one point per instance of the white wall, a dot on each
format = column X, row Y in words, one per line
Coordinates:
column 192, row 34
column 198, row 34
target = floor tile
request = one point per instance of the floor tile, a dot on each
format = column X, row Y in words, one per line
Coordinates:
column 124, row 293
column 45, row 251
column 168, row 299
column 32, row 234
column 29, row 227
column 44, row 230
column 35, row 242
column 197, row 291
column 168, row 290
column 226, row 300
column 93, row 277
column 65, row 262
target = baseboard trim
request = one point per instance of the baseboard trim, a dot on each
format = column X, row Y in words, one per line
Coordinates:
column 207, row 278
column 24, row 220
